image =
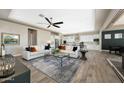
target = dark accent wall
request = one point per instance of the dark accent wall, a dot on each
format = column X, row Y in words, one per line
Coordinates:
column 112, row 42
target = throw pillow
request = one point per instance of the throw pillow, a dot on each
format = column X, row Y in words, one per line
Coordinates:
column 33, row 49
column 28, row 48
column 63, row 47
column 47, row 47
column 74, row 49
column 59, row 47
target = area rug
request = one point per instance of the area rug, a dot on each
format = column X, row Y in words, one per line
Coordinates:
column 50, row 65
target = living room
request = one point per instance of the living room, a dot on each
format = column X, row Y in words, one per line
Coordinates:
column 48, row 46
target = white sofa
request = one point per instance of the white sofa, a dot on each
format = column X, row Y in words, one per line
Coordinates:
column 31, row 55
column 69, row 49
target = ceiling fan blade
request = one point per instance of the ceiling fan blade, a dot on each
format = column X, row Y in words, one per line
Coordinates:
column 47, row 20
column 56, row 26
column 48, row 26
column 58, row 23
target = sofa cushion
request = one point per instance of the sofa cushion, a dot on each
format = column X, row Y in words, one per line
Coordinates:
column 42, row 47
column 69, row 48
column 36, row 53
column 66, row 51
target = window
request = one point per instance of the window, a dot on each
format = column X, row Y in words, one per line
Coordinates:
column 107, row 36
column 118, row 36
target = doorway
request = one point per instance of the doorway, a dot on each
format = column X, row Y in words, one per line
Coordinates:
column 32, row 37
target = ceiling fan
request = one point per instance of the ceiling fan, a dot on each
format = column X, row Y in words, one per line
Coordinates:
column 49, row 20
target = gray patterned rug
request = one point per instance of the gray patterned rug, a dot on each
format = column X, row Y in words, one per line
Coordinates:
column 51, row 66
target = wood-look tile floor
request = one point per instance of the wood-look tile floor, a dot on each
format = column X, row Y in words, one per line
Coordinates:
column 95, row 70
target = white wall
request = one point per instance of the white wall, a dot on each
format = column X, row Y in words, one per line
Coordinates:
column 9, row 27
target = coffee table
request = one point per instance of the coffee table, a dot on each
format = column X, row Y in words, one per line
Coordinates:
column 60, row 56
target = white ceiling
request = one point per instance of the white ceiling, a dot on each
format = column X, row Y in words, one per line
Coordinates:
column 74, row 20
column 120, row 21
column 80, row 20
